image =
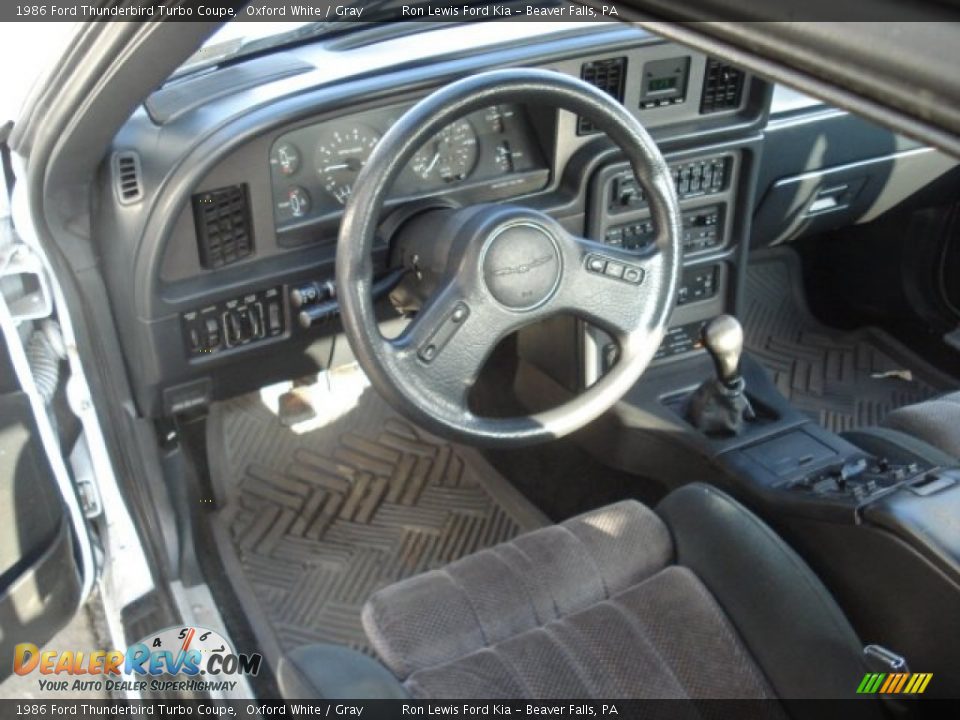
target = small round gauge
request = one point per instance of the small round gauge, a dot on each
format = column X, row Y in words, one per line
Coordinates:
column 298, row 201
column 449, row 155
column 287, row 159
column 340, row 155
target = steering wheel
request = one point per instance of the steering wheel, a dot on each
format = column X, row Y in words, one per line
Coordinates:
column 500, row 267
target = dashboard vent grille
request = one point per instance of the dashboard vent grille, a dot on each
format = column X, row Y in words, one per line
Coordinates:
column 608, row 75
column 722, row 87
column 126, row 177
column 222, row 218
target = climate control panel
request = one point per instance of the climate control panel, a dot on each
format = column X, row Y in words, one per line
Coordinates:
column 706, row 176
column 702, row 230
column 240, row 321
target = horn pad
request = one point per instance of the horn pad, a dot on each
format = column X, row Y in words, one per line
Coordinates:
column 521, row 265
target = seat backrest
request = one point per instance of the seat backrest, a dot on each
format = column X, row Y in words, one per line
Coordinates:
column 500, row 592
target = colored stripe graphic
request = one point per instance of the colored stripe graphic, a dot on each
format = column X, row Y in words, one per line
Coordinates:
column 894, row 683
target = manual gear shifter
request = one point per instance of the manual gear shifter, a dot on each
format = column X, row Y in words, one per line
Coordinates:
column 720, row 405
column 723, row 339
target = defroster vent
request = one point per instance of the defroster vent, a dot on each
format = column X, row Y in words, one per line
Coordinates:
column 722, row 87
column 222, row 218
column 608, row 75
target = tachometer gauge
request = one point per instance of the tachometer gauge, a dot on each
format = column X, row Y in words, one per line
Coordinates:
column 340, row 155
column 449, row 155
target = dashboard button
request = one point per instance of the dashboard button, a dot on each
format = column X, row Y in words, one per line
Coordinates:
column 596, row 264
column 232, row 328
column 614, row 269
column 614, row 236
column 255, row 312
column 274, row 319
column 213, row 332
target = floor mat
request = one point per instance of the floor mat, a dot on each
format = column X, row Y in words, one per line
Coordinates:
column 843, row 380
column 311, row 524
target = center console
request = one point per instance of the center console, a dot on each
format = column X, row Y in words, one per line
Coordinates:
column 711, row 184
column 884, row 536
column 882, row 532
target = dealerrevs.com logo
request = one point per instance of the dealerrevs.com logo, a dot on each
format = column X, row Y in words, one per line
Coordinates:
column 176, row 659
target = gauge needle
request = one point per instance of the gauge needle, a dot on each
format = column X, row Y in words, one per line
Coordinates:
column 436, row 158
column 352, row 164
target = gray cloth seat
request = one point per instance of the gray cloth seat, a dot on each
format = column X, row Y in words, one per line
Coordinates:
column 935, row 422
column 698, row 600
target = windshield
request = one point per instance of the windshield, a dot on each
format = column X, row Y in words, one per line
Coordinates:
column 246, row 35
column 246, row 31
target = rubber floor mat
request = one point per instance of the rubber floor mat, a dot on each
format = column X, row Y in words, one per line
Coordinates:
column 843, row 380
column 311, row 524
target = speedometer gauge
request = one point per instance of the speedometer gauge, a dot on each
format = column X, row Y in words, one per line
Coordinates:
column 340, row 154
column 449, row 155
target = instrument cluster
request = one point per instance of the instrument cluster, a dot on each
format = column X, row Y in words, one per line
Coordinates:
column 489, row 154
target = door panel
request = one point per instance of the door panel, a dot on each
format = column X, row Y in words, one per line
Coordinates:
column 40, row 584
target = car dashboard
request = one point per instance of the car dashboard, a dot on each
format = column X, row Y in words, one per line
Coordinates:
column 488, row 155
column 221, row 198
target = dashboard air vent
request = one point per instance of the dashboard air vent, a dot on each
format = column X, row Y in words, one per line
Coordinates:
column 608, row 75
column 126, row 177
column 222, row 219
column 722, row 87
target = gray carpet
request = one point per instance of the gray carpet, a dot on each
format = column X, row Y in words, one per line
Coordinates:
column 843, row 380
column 310, row 525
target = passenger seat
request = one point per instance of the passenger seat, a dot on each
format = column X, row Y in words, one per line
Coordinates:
column 935, row 421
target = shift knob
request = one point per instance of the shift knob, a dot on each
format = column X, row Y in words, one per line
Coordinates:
column 723, row 339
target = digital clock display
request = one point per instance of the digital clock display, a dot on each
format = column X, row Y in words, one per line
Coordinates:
column 661, row 83
column 664, row 82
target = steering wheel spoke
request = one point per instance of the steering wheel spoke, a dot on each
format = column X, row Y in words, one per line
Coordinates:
column 447, row 343
column 610, row 287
